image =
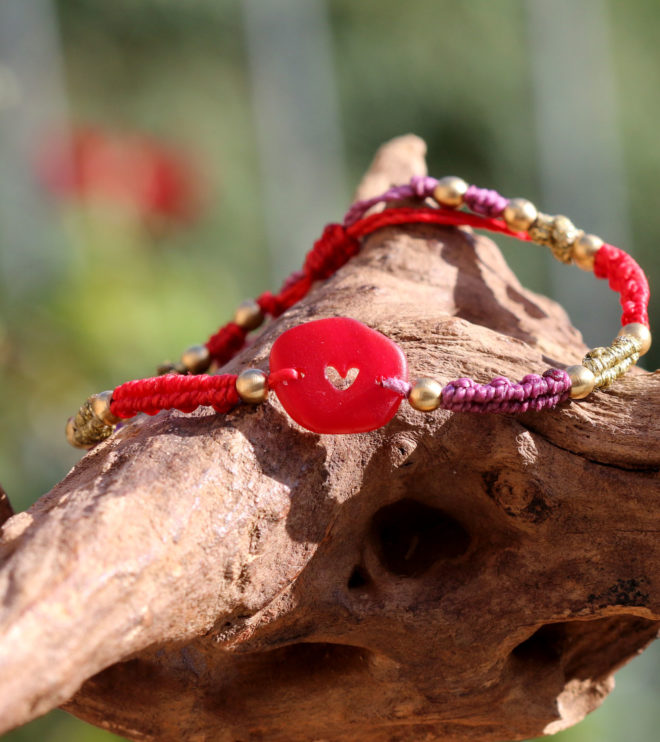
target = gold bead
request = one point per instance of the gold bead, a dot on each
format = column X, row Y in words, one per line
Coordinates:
column 582, row 381
column 72, row 435
column 248, row 315
column 450, row 191
column 100, row 404
column 196, row 359
column 252, row 386
column 425, row 395
column 639, row 331
column 519, row 214
column 584, row 250
column 541, row 230
column 564, row 234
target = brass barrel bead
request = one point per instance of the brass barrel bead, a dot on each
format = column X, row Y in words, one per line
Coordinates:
column 597, row 361
column 519, row 214
column 450, row 191
column 196, row 359
column 252, row 386
column 639, row 331
column 248, row 315
column 425, row 395
column 625, row 346
column 610, row 374
column 608, row 364
column 584, row 251
column 85, row 429
column 564, row 234
column 100, row 405
column 556, row 232
column 541, row 230
column 72, row 435
column 582, row 381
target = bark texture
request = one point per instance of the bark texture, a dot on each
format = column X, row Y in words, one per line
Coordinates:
column 448, row 577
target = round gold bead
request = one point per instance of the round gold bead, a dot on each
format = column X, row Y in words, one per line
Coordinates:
column 639, row 331
column 100, row 404
column 582, row 381
column 425, row 395
column 248, row 315
column 519, row 214
column 72, row 435
column 450, row 191
column 564, row 232
column 584, row 251
column 252, row 386
column 196, row 359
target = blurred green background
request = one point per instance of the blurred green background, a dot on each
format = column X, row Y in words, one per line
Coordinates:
column 277, row 108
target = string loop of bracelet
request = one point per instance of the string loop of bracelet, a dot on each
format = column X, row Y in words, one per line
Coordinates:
column 185, row 386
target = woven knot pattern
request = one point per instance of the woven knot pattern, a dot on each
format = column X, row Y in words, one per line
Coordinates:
column 332, row 250
column 420, row 186
column 501, row 395
column 226, row 342
column 293, row 290
column 628, row 279
column 174, row 392
column 87, row 428
column 608, row 364
column 484, row 201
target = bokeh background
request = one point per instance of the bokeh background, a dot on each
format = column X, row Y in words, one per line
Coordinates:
column 160, row 161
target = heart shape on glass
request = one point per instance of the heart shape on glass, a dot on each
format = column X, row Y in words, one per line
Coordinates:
column 345, row 345
column 338, row 381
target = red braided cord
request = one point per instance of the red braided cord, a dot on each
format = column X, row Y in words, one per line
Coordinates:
column 626, row 277
column 446, row 217
column 333, row 249
column 330, row 252
column 226, row 343
column 291, row 294
column 336, row 246
column 174, row 392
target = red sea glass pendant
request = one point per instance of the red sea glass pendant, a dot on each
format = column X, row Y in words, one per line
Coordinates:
column 328, row 396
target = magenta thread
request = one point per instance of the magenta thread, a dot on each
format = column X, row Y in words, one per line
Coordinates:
column 485, row 202
column 502, row 395
column 420, row 186
column 400, row 386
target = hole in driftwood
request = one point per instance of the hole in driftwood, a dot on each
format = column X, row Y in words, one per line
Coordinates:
column 543, row 646
column 410, row 537
column 587, row 648
column 359, row 578
column 338, row 381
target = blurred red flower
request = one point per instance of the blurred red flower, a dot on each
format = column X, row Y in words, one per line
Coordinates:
column 134, row 171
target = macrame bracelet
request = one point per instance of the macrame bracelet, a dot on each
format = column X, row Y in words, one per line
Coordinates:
column 371, row 371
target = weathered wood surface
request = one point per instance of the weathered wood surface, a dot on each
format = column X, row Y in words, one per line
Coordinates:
column 451, row 576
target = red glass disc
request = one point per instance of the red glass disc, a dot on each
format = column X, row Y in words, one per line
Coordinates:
column 314, row 349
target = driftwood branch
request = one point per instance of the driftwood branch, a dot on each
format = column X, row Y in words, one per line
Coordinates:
column 450, row 576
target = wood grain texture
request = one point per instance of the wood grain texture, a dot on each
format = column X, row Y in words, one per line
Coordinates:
column 450, row 576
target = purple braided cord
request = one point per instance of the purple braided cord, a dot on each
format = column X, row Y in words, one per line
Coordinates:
column 420, row 186
column 485, row 202
column 502, row 395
